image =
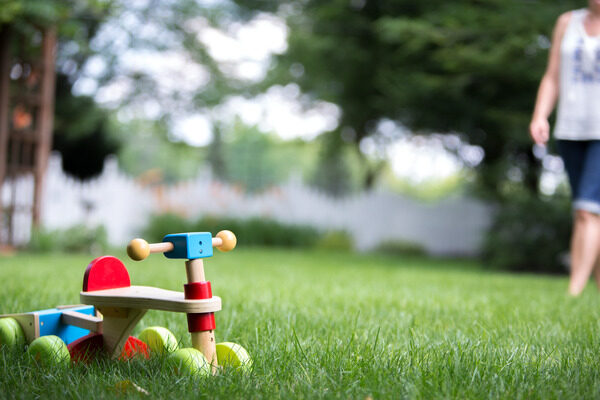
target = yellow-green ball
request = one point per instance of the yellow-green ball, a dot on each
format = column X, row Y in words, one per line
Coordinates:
column 11, row 333
column 232, row 355
column 49, row 350
column 159, row 340
column 189, row 362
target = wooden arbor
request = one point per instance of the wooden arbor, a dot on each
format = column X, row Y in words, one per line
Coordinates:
column 27, row 83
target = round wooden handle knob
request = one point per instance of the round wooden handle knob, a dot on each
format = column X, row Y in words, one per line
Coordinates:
column 229, row 240
column 138, row 249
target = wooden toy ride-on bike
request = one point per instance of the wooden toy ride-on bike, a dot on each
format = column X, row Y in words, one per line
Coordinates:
column 106, row 286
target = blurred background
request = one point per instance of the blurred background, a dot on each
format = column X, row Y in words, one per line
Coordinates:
column 356, row 125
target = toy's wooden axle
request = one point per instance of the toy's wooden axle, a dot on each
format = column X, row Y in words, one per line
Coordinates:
column 164, row 247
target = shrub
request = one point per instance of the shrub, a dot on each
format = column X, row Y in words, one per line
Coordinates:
column 401, row 248
column 336, row 240
column 529, row 234
column 252, row 231
column 160, row 225
column 77, row 239
column 42, row 241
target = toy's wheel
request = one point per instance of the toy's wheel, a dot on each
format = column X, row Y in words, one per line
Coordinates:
column 86, row 348
column 11, row 334
column 159, row 340
column 189, row 361
column 134, row 347
column 232, row 355
column 49, row 350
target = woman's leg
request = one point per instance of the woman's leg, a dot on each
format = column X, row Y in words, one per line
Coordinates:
column 589, row 199
column 580, row 158
column 597, row 272
column 585, row 249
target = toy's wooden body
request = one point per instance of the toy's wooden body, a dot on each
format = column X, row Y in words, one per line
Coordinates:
column 148, row 297
column 56, row 321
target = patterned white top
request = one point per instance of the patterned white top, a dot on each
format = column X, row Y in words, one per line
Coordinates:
column 578, row 116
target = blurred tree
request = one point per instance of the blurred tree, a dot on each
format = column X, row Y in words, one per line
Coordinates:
column 332, row 173
column 80, row 126
column 257, row 160
column 145, row 146
column 216, row 154
column 434, row 66
column 452, row 67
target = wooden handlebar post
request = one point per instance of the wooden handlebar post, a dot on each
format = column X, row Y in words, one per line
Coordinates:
column 200, row 325
column 203, row 340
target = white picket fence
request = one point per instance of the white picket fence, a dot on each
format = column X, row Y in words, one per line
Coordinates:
column 452, row 226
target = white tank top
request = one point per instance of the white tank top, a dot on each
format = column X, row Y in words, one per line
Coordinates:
column 578, row 115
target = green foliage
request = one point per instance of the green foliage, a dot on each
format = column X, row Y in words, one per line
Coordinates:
column 400, row 248
column 44, row 12
column 458, row 66
column 428, row 190
column 332, row 173
column 249, row 232
column 161, row 225
column 256, row 160
column 77, row 239
column 433, row 66
column 241, row 155
column 216, row 155
column 145, row 146
column 68, row 15
column 336, row 240
column 9, row 10
column 529, row 234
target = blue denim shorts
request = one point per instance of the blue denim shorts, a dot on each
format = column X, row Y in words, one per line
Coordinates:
column 582, row 162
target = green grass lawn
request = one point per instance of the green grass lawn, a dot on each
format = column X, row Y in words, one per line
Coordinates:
column 322, row 324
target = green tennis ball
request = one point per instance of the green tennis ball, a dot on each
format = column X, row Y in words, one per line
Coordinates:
column 159, row 340
column 11, row 333
column 189, row 362
column 49, row 350
column 233, row 355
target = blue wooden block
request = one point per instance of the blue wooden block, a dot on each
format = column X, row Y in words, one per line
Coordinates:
column 50, row 323
column 190, row 245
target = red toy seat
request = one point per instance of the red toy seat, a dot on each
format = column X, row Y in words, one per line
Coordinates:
column 105, row 272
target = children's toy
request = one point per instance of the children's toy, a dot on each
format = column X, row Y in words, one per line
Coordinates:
column 69, row 323
column 115, row 307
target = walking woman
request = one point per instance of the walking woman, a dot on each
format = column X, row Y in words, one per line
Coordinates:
column 573, row 78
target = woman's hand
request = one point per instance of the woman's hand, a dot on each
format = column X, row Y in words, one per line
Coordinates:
column 539, row 129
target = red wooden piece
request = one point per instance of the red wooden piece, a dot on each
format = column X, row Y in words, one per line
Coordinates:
column 86, row 348
column 204, row 321
column 134, row 347
column 105, row 272
column 197, row 290
column 201, row 322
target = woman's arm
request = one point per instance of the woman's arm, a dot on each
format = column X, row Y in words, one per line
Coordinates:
column 539, row 128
